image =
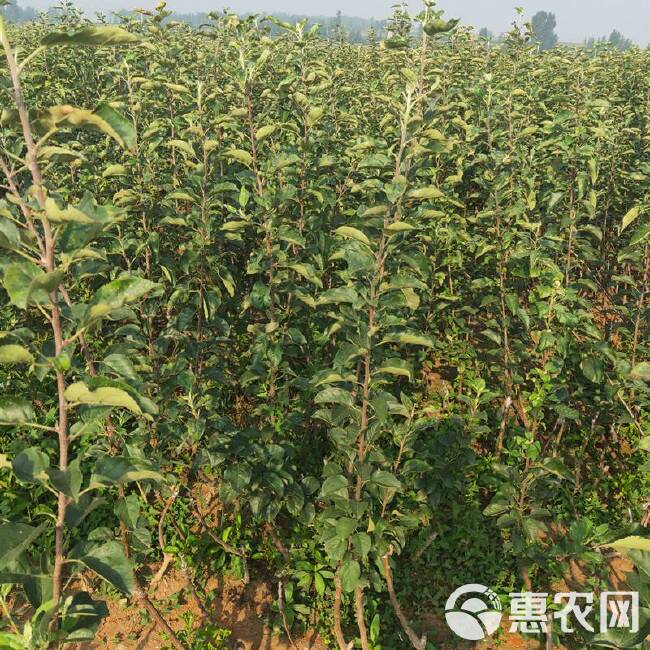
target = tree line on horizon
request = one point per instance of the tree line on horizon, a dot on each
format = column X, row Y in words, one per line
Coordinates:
column 353, row 29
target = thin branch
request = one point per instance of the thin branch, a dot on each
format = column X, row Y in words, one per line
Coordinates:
column 420, row 552
column 283, row 614
column 417, row 643
column 141, row 597
column 28, row 58
column 338, row 630
column 34, row 425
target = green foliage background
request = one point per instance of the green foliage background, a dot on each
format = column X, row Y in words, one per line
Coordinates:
column 362, row 294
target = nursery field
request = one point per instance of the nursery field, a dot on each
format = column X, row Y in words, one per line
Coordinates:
column 298, row 336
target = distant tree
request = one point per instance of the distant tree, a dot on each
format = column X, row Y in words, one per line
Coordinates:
column 15, row 14
column 400, row 24
column 615, row 39
column 543, row 26
column 486, row 34
column 371, row 36
column 618, row 40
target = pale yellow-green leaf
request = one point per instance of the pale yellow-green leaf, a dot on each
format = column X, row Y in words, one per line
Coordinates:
column 62, row 154
column 240, row 155
column 425, row 193
column 231, row 226
column 399, row 226
column 264, row 132
column 96, row 35
column 177, row 88
column 307, row 273
column 352, row 233
column 55, row 214
column 375, row 211
column 632, row 543
column 14, row 354
column 314, row 115
column 183, row 146
column 412, row 298
column 396, row 367
column 409, row 339
column 641, row 371
column 114, row 170
column 102, row 396
column 181, row 196
column 630, row 217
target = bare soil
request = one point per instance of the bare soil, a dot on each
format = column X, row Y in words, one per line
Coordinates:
column 243, row 609
column 239, row 608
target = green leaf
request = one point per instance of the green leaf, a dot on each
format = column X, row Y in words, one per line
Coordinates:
column 352, row 233
column 630, row 217
column 319, row 584
column 425, row 194
column 178, row 195
column 121, row 129
column 109, row 562
column 83, row 616
column 23, row 282
column 114, row 170
column 350, row 572
column 641, row 371
column 14, row 354
column 69, row 480
column 121, row 365
column 283, row 161
column 335, row 486
column 70, row 214
column 385, row 480
column 398, row 367
column 233, row 226
column 400, row 226
column 9, row 234
column 439, row 26
column 632, row 543
column 640, row 234
column 264, row 132
column 240, row 155
column 59, row 154
column 557, row 467
column 307, row 271
column 345, row 526
column 117, row 470
column 362, row 544
column 95, row 35
column 185, row 147
column 409, row 339
column 116, row 294
column 31, row 465
column 593, row 369
column 102, row 396
column 337, row 295
column 496, row 508
column 12, row 641
column 105, row 119
column 15, row 538
column 15, row 410
column 333, row 395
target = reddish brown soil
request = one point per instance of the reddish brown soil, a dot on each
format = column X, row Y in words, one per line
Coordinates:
column 239, row 608
column 242, row 609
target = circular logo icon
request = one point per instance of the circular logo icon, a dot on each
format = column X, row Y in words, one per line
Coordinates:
column 476, row 617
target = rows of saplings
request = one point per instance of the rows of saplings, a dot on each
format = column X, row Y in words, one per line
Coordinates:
column 291, row 310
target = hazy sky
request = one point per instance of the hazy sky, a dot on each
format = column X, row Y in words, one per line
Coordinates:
column 577, row 19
